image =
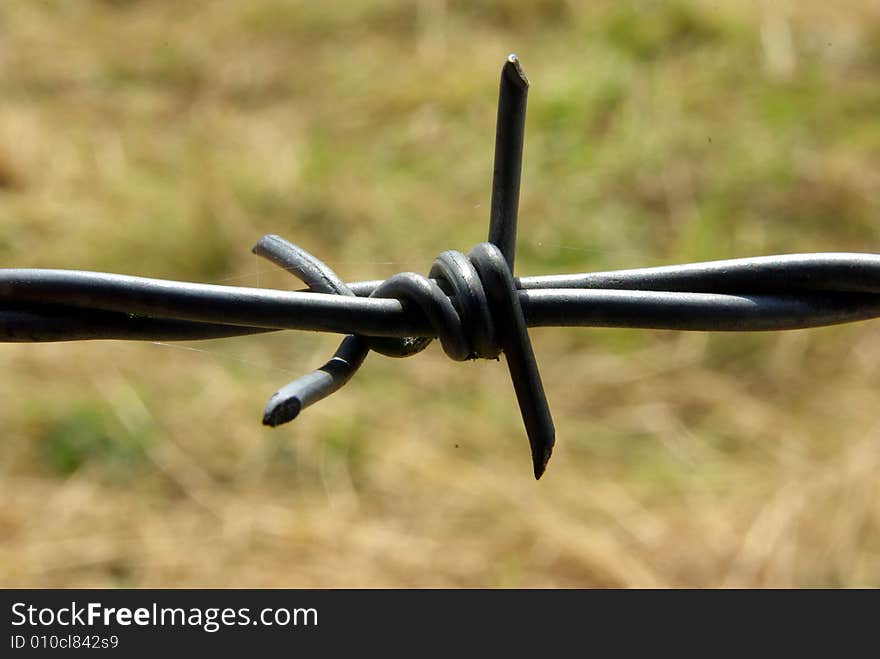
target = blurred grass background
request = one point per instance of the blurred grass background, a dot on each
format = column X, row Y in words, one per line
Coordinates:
column 163, row 138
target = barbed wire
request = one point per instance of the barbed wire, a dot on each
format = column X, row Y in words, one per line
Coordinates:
column 472, row 303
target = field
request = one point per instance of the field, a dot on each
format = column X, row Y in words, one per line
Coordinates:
column 164, row 138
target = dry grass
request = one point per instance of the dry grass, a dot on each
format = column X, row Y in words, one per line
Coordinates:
column 163, row 138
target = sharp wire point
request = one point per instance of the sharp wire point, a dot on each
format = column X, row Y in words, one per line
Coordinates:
column 514, row 64
column 472, row 303
column 507, row 171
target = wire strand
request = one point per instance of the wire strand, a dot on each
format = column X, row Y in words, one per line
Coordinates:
column 472, row 303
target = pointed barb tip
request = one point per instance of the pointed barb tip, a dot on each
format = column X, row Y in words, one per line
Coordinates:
column 514, row 72
column 540, row 460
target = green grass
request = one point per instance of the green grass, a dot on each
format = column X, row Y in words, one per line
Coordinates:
column 88, row 433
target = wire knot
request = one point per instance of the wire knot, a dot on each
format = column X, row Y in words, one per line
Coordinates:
column 471, row 303
column 453, row 299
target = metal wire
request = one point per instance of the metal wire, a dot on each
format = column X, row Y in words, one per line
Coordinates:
column 473, row 303
column 792, row 291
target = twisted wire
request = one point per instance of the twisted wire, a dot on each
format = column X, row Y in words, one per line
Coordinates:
column 400, row 316
column 472, row 303
column 465, row 323
column 768, row 293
